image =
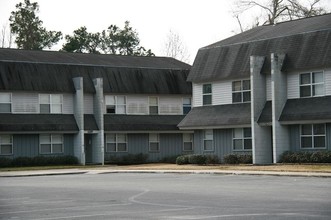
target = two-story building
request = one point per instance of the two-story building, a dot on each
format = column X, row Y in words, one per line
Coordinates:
column 92, row 106
column 264, row 91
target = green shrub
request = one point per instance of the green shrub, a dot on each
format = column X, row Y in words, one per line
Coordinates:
column 306, row 157
column 169, row 159
column 212, row 159
column 129, row 159
column 238, row 159
column 5, row 162
column 22, row 161
column 181, row 160
column 197, row 159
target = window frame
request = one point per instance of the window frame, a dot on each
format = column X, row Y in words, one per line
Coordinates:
column 157, row 141
column 117, row 142
column 187, row 107
column 206, row 139
column 4, row 144
column 115, row 105
column 207, row 94
column 242, row 138
column 153, row 105
column 51, row 104
column 311, row 84
column 242, row 91
column 312, row 135
column 185, row 141
column 10, row 103
column 51, row 143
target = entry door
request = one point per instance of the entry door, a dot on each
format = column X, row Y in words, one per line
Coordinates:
column 88, row 148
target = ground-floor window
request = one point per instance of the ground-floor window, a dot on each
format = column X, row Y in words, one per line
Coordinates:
column 6, row 144
column 312, row 136
column 208, row 140
column 116, row 143
column 187, row 142
column 51, row 143
column 154, row 142
column 242, row 139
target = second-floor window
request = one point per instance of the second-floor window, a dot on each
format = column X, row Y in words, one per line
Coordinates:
column 115, row 104
column 5, row 103
column 186, row 105
column 241, row 91
column 153, row 105
column 311, row 84
column 50, row 103
column 207, row 94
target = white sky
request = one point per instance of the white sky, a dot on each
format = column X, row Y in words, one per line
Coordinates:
column 198, row 22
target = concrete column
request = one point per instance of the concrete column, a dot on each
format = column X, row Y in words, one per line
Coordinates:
column 280, row 133
column 261, row 136
column 98, row 108
column 79, row 151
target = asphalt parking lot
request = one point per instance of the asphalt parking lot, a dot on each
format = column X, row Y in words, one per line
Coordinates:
column 164, row 196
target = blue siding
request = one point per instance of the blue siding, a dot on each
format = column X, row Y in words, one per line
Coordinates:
column 170, row 145
column 68, row 144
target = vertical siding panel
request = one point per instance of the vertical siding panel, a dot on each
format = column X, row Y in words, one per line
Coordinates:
column 170, row 105
column 26, row 145
column 223, row 142
column 68, row 144
column 294, row 137
column 25, row 103
column 68, row 104
column 222, row 93
column 293, row 86
column 88, row 103
column 328, row 136
column 327, row 78
column 198, row 142
column 268, row 87
column 170, row 145
column 197, row 95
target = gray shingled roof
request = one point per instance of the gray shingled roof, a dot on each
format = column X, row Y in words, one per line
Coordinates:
column 266, row 114
column 306, row 42
column 37, row 123
column 231, row 115
column 89, row 123
column 307, row 109
column 157, row 76
column 142, row 122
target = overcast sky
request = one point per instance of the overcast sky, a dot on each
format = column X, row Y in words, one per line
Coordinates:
column 198, row 22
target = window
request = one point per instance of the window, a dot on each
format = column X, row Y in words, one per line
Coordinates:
column 241, row 91
column 115, row 104
column 186, row 105
column 116, row 143
column 311, row 84
column 313, row 136
column 153, row 105
column 187, row 142
column 242, row 139
column 208, row 140
column 5, row 103
column 154, row 142
column 50, row 103
column 51, row 143
column 6, row 144
column 207, row 94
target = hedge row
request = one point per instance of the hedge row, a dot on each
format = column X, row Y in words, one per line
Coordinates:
column 238, row 159
column 38, row 161
column 130, row 159
column 197, row 159
column 306, row 157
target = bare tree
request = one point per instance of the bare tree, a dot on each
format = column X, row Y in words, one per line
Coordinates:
column 6, row 38
column 174, row 47
column 273, row 11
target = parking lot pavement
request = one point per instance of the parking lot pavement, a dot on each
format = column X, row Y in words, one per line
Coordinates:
column 165, row 196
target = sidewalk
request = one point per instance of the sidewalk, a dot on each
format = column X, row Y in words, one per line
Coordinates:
column 116, row 170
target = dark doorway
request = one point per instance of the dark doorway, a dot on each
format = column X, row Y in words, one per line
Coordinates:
column 88, row 148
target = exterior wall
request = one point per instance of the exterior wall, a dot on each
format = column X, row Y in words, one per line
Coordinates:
column 170, row 145
column 293, row 83
column 170, row 105
column 268, row 87
column 196, row 95
column 137, row 104
column 68, row 104
column 222, row 142
column 27, row 145
column 88, row 104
